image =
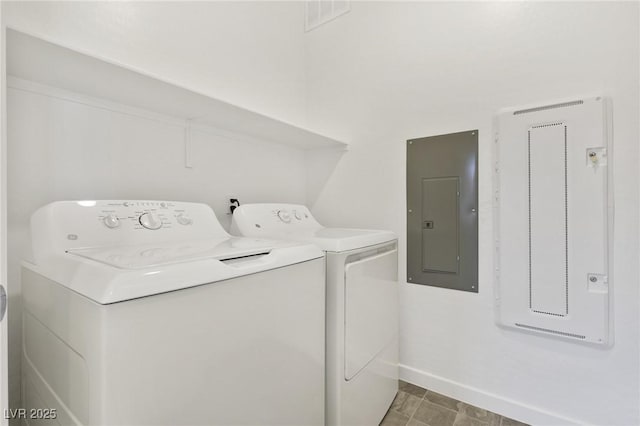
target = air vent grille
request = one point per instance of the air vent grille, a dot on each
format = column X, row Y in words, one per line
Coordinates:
column 548, row 219
column 318, row 12
column 546, row 330
column 542, row 108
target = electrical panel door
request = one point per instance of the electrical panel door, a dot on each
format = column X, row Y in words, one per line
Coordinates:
column 440, row 248
column 442, row 219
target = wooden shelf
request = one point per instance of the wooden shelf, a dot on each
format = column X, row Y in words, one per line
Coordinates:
column 34, row 59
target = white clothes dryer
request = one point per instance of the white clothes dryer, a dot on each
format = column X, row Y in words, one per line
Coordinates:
column 148, row 312
column 362, row 307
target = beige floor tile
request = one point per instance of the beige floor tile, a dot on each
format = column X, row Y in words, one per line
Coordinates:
column 442, row 400
column 393, row 418
column 434, row 415
column 414, row 422
column 400, row 398
column 464, row 420
column 405, row 403
column 495, row 420
column 412, row 389
column 506, row 421
column 479, row 414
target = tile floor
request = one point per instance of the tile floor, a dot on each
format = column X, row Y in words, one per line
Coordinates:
column 415, row 406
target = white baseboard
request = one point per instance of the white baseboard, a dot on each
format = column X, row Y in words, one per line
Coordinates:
column 480, row 398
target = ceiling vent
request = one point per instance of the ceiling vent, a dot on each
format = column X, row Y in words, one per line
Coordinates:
column 318, row 12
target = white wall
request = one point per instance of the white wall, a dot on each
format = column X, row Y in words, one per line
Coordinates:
column 387, row 72
column 250, row 54
column 247, row 53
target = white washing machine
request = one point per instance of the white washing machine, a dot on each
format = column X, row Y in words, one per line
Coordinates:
column 148, row 312
column 362, row 307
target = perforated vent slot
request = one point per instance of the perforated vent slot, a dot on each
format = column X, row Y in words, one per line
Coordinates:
column 542, row 108
column 546, row 330
column 548, row 227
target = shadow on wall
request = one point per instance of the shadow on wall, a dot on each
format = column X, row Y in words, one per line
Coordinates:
column 320, row 164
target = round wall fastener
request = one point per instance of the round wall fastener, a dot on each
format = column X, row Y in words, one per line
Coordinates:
column 593, row 279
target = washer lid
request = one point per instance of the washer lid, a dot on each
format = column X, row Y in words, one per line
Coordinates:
column 153, row 255
column 116, row 274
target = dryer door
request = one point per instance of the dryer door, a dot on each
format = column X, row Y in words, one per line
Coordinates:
column 371, row 306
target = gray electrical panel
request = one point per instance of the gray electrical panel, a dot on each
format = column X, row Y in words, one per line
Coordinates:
column 442, row 211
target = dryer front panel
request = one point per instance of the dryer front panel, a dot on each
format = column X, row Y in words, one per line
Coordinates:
column 371, row 306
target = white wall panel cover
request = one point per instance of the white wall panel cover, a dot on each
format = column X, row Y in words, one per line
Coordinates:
column 552, row 220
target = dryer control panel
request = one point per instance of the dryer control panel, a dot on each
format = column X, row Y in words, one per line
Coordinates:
column 66, row 225
column 294, row 222
column 269, row 218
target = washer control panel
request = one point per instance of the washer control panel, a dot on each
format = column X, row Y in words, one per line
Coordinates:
column 74, row 224
column 144, row 215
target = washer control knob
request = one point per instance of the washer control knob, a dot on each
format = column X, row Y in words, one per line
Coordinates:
column 111, row 221
column 183, row 219
column 284, row 216
column 297, row 215
column 150, row 221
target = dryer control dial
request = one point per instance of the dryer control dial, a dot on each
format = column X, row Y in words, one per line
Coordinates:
column 284, row 216
column 297, row 215
column 183, row 219
column 111, row 221
column 150, row 221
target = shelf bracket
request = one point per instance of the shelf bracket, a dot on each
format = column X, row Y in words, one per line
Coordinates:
column 187, row 144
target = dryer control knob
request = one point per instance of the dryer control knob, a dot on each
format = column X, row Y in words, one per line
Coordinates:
column 150, row 221
column 297, row 215
column 284, row 216
column 111, row 221
column 184, row 219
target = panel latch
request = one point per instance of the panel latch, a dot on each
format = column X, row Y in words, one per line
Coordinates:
column 596, row 157
column 598, row 283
